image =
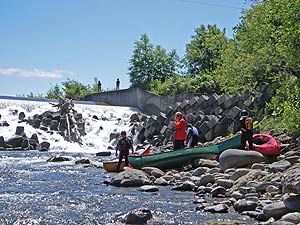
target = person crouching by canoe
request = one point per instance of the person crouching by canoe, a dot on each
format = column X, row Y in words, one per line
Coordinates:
column 180, row 132
column 192, row 136
column 246, row 124
column 123, row 146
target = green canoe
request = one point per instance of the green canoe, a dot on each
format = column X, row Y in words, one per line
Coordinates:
column 233, row 142
column 173, row 159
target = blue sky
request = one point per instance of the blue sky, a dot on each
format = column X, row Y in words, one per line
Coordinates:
column 44, row 42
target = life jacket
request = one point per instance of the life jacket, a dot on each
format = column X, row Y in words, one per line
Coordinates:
column 249, row 123
column 124, row 144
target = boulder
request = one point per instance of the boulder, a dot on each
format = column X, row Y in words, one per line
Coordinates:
column 292, row 202
column 58, row 159
column 275, row 210
column 83, row 161
column 153, row 171
column 290, row 179
column 239, row 158
column 138, row 216
column 279, row 166
column 15, row 141
column 186, row 186
column 220, row 208
column 291, row 217
column 130, row 178
column 103, row 153
column 244, row 205
column 206, row 179
column 225, row 183
column 161, row 181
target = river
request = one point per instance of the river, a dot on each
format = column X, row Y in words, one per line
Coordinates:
column 34, row 191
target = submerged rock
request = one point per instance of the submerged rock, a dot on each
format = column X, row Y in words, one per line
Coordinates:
column 130, row 178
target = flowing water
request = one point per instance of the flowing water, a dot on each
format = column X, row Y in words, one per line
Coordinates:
column 34, row 191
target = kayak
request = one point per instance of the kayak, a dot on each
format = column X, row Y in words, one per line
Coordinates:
column 111, row 166
column 173, row 159
column 265, row 144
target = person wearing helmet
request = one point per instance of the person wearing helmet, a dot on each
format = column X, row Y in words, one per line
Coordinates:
column 246, row 124
column 123, row 146
column 180, row 132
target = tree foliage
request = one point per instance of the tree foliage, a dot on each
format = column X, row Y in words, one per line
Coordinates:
column 151, row 63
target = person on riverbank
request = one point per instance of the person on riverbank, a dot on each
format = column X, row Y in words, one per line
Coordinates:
column 246, row 124
column 180, row 132
column 192, row 136
column 124, row 144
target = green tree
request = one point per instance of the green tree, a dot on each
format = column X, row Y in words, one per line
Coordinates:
column 54, row 92
column 75, row 90
column 203, row 52
column 150, row 62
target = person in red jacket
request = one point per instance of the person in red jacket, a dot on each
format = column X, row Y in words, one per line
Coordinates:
column 180, row 131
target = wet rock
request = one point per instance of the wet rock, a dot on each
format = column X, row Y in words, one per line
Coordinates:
column 21, row 116
column 148, row 188
column 161, row 181
column 272, row 189
column 275, row 210
column 20, row 131
column 58, row 159
column 239, row 158
column 4, row 124
column 244, row 205
column 83, row 161
column 186, row 186
column 153, row 171
column 45, row 146
column 138, row 216
column 103, row 153
column 292, row 203
column 220, row 222
column 130, row 178
column 252, row 214
column 15, row 141
column 220, row 208
column 282, row 223
column 293, row 159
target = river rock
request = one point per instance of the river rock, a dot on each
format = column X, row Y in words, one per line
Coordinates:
column 292, row 202
column 138, row 216
column 83, row 161
column 218, row 191
column 161, row 181
column 258, row 166
column 148, row 188
column 21, row 116
column 291, row 217
column 279, row 166
column 275, row 210
column 239, row 158
column 293, row 159
column 153, row 171
column 15, row 141
column 206, row 179
column 200, row 171
column 130, row 178
column 103, row 153
column 290, row 180
column 225, row 183
column 261, row 187
column 58, row 159
column 186, row 186
column 237, row 195
column 45, row 145
column 20, row 131
column 244, row 205
column 220, row 208
column 239, row 173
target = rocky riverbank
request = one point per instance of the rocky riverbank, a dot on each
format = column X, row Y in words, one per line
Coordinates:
column 265, row 189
